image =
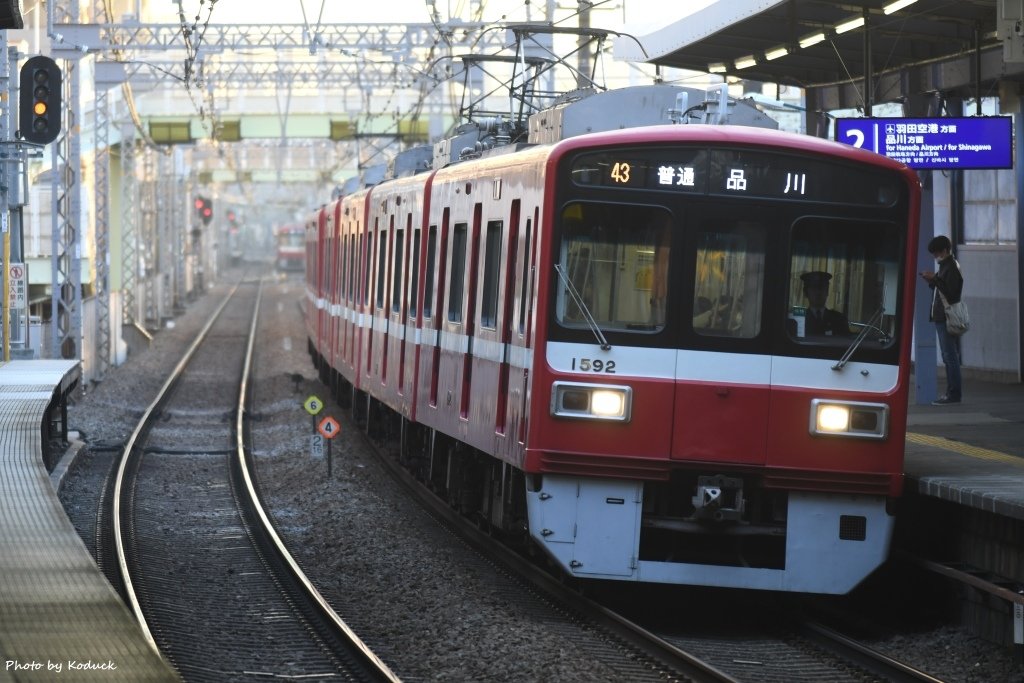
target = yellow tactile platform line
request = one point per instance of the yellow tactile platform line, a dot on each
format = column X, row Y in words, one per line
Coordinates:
column 964, row 449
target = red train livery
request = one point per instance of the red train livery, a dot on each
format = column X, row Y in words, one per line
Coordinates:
column 290, row 248
column 608, row 345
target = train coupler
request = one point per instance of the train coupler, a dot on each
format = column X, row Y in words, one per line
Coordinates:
column 718, row 498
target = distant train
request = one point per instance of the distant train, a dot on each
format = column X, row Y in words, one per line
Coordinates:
column 607, row 345
column 290, row 248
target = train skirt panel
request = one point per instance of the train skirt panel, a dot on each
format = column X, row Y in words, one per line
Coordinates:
column 596, row 529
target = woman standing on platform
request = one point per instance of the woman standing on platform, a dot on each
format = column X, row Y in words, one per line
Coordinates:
column 948, row 283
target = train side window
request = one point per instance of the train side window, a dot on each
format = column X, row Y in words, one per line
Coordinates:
column 729, row 280
column 343, row 269
column 492, row 270
column 457, row 283
column 382, row 254
column 396, row 272
column 428, row 281
column 353, row 271
column 366, row 261
column 414, row 286
column 525, row 284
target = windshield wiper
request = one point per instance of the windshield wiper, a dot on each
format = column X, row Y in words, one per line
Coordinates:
column 883, row 336
column 578, row 300
column 867, row 327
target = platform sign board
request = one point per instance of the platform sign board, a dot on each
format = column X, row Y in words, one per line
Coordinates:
column 966, row 142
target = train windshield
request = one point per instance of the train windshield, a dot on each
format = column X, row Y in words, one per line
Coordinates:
column 291, row 238
column 615, row 263
column 762, row 276
column 844, row 279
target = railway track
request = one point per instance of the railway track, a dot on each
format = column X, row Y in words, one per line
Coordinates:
column 201, row 566
column 730, row 647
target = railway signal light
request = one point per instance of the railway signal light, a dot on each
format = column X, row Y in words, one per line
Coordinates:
column 39, row 116
column 10, row 14
column 204, row 209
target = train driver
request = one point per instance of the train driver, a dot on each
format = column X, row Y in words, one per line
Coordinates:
column 822, row 320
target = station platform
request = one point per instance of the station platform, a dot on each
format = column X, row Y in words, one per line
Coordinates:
column 60, row 619
column 962, row 510
column 970, row 453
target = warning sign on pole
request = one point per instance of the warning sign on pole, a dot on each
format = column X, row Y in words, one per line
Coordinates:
column 17, row 288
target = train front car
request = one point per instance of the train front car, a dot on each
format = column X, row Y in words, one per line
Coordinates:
column 721, row 373
column 290, row 248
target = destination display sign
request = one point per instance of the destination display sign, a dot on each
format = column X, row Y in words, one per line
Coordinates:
column 938, row 143
column 736, row 173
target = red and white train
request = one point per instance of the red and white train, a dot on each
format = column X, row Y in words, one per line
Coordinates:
column 604, row 344
column 289, row 247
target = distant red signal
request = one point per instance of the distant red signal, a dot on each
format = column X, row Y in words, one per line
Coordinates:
column 204, row 209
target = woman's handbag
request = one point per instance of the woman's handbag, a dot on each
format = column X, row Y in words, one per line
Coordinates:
column 957, row 319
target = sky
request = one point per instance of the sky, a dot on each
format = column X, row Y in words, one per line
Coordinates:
column 610, row 14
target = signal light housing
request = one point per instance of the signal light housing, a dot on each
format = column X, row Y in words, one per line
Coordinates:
column 11, row 15
column 40, row 100
column 204, row 209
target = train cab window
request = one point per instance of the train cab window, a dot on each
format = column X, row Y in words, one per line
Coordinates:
column 729, row 280
column 613, row 267
column 460, row 234
column 492, row 268
column 843, row 282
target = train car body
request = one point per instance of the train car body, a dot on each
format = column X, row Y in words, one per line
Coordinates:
column 315, row 300
column 603, row 345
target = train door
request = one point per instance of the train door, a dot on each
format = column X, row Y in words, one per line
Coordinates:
column 376, row 265
column 401, row 305
column 389, row 278
column 723, row 368
column 507, row 322
column 468, row 358
column 436, row 303
column 524, row 321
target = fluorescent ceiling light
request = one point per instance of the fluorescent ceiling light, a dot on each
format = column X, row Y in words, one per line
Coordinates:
column 812, row 39
column 897, row 6
column 776, row 53
column 718, row 68
column 745, row 62
column 850, row 25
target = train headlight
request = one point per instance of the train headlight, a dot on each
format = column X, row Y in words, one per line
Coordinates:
column 849, row 419
column 833, row 419
column 591, row 401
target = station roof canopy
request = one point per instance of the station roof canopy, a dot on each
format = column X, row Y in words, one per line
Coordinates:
column 821, row 44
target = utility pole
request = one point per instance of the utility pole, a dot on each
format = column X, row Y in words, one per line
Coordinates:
column 583, row 79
